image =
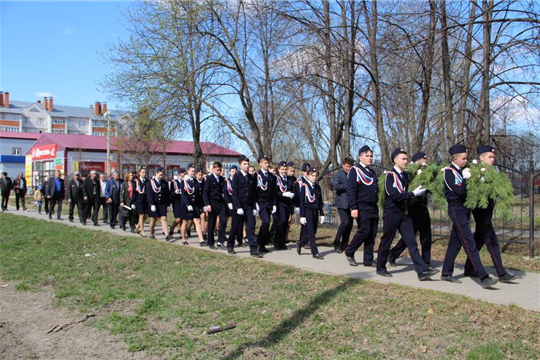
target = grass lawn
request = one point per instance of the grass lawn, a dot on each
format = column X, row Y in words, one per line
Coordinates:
column 161, row 298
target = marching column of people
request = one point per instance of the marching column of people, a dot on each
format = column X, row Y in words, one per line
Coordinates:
column 208, row 201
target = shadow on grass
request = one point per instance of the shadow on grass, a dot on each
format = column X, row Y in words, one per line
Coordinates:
column 285, row 327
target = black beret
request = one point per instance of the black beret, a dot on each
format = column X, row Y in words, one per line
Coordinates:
column 457, row 149
column 418, row 156
column 306, row 166
column 290, row 163
column 242, row 158
column 484, row 149
column 311, row 170
column 181, row 170
column 190, row 165
column 159, row 169
column 364, row 149
column 199, row 169
column 397, row 152
column 234, row 167
column 262, row 157
column 282, row 163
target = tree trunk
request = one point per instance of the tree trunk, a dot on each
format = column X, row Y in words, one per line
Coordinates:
column 446, row 77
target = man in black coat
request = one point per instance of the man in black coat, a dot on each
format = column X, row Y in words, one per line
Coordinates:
column 75, row 197
column 266, row 201
column 56, row 194
column 6, row 186
column 20, row 191
column 91, row 190
column 342, row 204
column 112, row 195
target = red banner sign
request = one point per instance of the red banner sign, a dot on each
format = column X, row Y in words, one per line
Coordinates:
column 92, row 165
column 44, row 152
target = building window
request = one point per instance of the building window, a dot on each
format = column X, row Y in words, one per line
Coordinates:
column 82, row 124
column 10, row 117
column 58, row 121
column 58, row 132
column 100, row 123
column 9, row 128
column 25, row 119
column 99, row 134
column 16, row 151
column 41, row 121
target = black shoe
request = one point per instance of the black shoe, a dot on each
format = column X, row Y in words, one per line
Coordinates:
column 231, row 251
column 264, row 250
column 318, row 257
column 370, row 265
column 220, row 246
column 489, row 282
column 298, row 248
column 113, row 227
column 427, row 274
column 152, row 237
column 203, row 243
column 59, row 219
column 338, row 250
column 169, row 237
column 384, row 273
column 351, row 261
column 287, row 241
column 507, row 278
column 132, row 230
column 212, row 247
column 50, row 217
column 70, row 220
column 105, row 221
column 96, row 224
column 472, row 274
column 256, row 254
column 84, row 223
column 392, row 260
column 306, row 247
column 429, row 267
column 123, row 228
column 450, row 278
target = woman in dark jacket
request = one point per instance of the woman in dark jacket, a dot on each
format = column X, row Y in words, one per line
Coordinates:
column 157, row 190
column 127, row 210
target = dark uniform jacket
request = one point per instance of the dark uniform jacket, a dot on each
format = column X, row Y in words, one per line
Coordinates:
column 455, row 189
column 88, row 189
column 311, row 198
column 75, row 190
column 244, row 188
column 158, row 198
column 59, row 195
column 363, row 191
column 213, row 189
column 396, row 192
column 266, row 189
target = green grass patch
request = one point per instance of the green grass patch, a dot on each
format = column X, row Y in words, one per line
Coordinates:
column 160, row 298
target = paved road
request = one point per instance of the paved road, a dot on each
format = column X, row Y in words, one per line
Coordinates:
column 525, row 292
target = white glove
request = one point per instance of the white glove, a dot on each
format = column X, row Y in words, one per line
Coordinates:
column 204, row 208
column 297, row 211
column 274, row 209
column 321, row 220
column 257, row 207
column 189, row 208
column 230, row 206
column 466, row 173
column 419, row 191
column 240, row 211
column 133, row 206
column 153, row 208
column 303, row 221
column 288, row 194
column 255, row 212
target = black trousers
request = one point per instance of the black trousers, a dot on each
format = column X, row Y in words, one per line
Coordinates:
column 46, row 204
column 284, row 212
column 103, row 204
column 5, row 199
column 20, row 196
column 394, row 222
column 485, row 234
column 80, row 210
column 237, row 227
column 113, row 213
column 344, row 230
column 132, row 217
column 53, row 202
column 310, row 229
column 218, row 210
column 421, row 224
column 461, row 235
column 91, row 210
column 264, row 231
column 367, row 230
column 273, row 227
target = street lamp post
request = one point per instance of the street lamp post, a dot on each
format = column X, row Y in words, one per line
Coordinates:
column 108, row 116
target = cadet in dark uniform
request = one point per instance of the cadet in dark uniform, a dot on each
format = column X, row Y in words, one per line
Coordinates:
column 363, row 193
column 285, row 195
column 140, row 199
column 75, row 197
column 455, row 191
column 297, row 190
column 275, row 216
column 311, row 207
column 291, row 169
column 215, row 204
column 157, row 190
column 419, row 213
column 190, row 204
column 484, row 232
column 244, row 188
column 342, row 204
column 266, row 201
column 177, row 184
column 228, row 195
column 396, row 217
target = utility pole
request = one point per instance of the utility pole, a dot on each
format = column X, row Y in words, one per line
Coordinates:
column 108, row 168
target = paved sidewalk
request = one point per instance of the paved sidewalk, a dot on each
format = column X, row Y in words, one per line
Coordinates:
column 525, row 292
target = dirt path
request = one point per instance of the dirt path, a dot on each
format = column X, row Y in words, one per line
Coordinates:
column 26, row 317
